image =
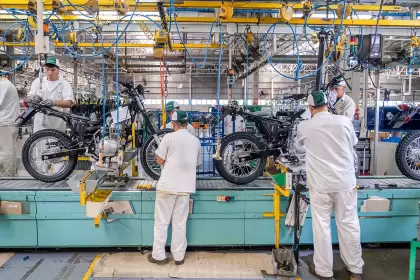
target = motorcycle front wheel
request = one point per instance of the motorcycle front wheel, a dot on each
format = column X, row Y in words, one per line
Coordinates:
column 48, row 141
column 407, row 155
column 148, row 156
column 232, row 147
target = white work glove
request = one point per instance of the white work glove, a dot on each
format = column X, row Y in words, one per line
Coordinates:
column 35, row 99
column 48, row 103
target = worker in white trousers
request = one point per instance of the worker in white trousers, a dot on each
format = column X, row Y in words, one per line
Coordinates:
column 329, row 140
column 52, row 91
column 9, row 112
column 179, row 154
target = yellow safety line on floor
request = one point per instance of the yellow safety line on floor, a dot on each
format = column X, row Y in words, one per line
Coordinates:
column 91, row 267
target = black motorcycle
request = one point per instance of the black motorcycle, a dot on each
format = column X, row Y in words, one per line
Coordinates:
column 50, row 155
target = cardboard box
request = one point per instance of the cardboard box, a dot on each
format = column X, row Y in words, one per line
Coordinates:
column 11, row 207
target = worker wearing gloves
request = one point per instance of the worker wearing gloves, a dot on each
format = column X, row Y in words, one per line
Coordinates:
column 342, row 103
column 170, row 108
column 54, row 92
column 329, row 142
column 234, row 126
column 9, row 112
column 179, row 154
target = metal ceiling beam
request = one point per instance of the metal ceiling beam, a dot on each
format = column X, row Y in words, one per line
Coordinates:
column 257, row 5
column 122, row 45
column 257, row 21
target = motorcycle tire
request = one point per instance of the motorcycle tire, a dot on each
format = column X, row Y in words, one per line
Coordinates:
column 400, row 153
column 64, row 141
column 154, row 173
column 221, row 168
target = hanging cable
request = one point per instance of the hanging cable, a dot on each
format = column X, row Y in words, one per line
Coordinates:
column 218, row 79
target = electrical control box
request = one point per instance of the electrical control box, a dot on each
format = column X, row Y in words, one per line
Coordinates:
column 161, row 36
column 370, row 51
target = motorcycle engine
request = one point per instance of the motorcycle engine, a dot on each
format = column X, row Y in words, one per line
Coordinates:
column 110, row 147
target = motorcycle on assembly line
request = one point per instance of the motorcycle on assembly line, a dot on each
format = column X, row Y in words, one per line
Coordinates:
column 407, row 155
column 50, row 155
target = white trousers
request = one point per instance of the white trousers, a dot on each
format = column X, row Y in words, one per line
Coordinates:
column 170, row 208
column 345, row 210
column 8, row 138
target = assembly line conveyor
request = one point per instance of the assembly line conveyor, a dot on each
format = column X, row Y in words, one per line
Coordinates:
column 53, row 217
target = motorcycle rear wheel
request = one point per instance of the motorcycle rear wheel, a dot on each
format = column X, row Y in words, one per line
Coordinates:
column 148, row 156
column 407, row 155
column 62, row 141
column 233, row 171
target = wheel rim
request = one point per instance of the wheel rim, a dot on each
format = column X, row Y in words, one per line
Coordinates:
column 412, row 155
column 47, row 145
column 231, row 154
column 151, row 156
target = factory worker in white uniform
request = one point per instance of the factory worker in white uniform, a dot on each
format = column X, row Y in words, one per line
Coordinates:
column 55, row 92
column 170, row 108
column 329, row 140
column 342, row 103
column 9, row 112
column 179, row 154
column 234, row 126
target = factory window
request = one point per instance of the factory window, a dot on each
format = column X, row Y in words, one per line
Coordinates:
column 147, row 101
column 241, row 102
column 199, row 101
column 193, row 101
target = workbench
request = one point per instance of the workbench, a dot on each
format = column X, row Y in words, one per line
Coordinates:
column 53, row 217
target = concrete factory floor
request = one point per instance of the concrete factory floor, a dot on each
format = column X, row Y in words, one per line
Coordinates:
column 381, row 264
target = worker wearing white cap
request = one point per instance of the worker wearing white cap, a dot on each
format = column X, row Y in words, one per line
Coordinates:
column 343, row 104
column 54, row 92
column 179, row 154
column 9, row 112
column 329, row 140
column 170, row 108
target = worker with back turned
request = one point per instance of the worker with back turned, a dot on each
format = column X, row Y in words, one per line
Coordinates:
column 179, row 154
column 170, row 108
column 52, row 91
column 9, row 112
column 329, row 140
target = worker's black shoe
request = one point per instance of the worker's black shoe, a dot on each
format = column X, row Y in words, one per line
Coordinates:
column 354, row 276
column 179, row 262
column 152, row 260
column 313, row 272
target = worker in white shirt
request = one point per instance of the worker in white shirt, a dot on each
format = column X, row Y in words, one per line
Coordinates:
column 329, row 140
column 179, row 154
column 9, row 112
column 54, row 92
column 231, row 126
column 342, row 103
column 170, row 108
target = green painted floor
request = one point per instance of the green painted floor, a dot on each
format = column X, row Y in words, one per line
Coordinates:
column 380, row 264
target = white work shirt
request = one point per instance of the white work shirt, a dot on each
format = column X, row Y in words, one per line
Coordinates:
column 190, row 128
column 9, row 103
column 182, row 154
column 239, row 124
column 329, row 141
column 54, row 90
column 345, row 106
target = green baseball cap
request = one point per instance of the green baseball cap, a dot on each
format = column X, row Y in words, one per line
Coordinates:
column 171, row 106
column 52, row 61
column 339, row 82
column 235, row 102
column 317, row 98
column 180, row 116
